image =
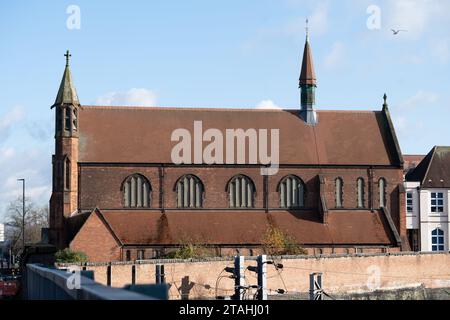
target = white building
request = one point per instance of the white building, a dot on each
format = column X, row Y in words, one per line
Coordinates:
column 2, row 232
column 428, row 202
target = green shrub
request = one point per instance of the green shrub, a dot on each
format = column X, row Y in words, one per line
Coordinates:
column 69, row 256
column 278, row 243
column 190, row 251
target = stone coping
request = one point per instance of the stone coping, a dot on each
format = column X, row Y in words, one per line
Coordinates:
column 228, row 259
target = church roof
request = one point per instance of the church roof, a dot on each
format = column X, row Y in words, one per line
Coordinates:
column 134, row 227
column 434, row 170
column 412, row 161
column 143, row 134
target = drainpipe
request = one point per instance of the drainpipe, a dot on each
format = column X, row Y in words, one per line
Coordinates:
column 370, row 172
column 419, row 217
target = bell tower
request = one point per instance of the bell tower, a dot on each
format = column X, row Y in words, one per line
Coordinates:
column 308, row 84
column 64, row 199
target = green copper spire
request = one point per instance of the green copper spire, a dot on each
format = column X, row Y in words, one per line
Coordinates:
column 67, row 93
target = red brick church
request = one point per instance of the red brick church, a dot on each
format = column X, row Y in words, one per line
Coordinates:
column 117, row 194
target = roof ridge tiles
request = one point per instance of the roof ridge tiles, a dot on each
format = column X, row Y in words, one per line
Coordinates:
column 236, row 109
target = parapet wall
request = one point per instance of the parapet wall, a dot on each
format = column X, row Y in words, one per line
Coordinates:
column 342, row 274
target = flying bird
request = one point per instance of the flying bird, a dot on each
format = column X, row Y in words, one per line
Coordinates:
column 396, row 32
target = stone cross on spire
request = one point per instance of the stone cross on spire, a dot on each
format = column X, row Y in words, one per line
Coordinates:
column 67, row 55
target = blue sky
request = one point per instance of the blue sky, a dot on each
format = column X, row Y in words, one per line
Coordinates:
column 216, row 54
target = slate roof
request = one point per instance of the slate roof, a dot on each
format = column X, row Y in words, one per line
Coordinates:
column 434, row 170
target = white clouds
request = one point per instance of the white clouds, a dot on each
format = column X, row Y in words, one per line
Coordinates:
column 40, row 192
column 401, row 123
column 24, row 155
column 132, row 97
column 293, row 28
column 415, row 15
column 413, row 59
column 41, row 130
column 421, row 98
column 336, row 57
column 440, row 49
column 407, row 127
column 407, row 15
column 268, row 105
column 33, row 164
column 16, row 114
column 7, row 153
column 318, row 23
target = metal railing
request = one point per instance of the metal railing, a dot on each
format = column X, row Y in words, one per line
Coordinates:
column 43, row 283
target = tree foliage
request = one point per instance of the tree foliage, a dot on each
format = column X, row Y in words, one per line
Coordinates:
column 276, row 242
column 190, row 251
column 36, row 218
column 69, row 256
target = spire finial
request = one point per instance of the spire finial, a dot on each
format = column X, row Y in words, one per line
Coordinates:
column 67, row 55
column 307, row 29
column 385, row 105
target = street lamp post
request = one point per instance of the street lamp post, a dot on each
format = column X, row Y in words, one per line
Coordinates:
column 23, row 214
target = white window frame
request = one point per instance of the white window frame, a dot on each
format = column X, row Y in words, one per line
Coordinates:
column 439, row 208
column 409, row 202
column 439, row 246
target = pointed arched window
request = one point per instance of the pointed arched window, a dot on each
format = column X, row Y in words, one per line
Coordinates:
column 339, row 185
column 58, row 120
column 67, row 173
column 136, row 192
column 360, row 192
column 382, row 192
column 189, row 189
column 292, row 192
column 67, row 119
column 241, row 192
column 75, row 119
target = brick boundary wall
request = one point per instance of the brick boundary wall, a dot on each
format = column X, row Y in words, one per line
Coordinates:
column 342, row 274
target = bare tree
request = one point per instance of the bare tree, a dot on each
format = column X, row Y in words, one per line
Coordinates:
column 36, row 218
